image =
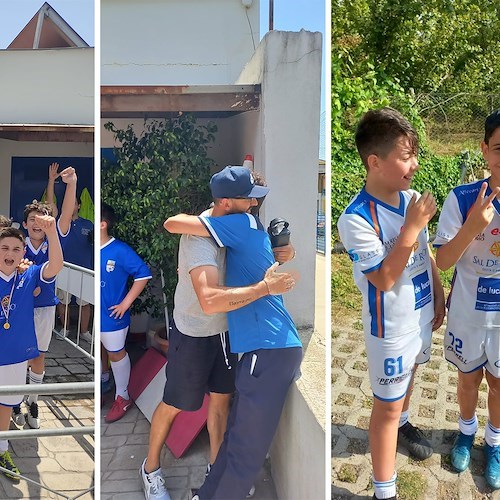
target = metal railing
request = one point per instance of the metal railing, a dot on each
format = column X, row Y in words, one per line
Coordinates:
column 79, row 282
column 50, row 389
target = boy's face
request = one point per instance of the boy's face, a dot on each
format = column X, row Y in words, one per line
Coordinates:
column 34, row 232
column 491, row 153
column 397, row 168
column 11, row 252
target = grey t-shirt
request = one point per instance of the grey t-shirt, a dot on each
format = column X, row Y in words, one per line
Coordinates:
column 195, row 251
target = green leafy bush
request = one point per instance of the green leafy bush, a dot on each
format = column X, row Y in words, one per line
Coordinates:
column 162, row 172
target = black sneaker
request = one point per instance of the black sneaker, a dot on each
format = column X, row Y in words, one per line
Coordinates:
column 414, row 441
column 33, row 419
column 18, row 416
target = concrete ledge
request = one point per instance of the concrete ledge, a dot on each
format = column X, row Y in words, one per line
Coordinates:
column 298, row 450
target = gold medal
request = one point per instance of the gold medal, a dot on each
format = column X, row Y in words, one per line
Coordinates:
column 6, row 326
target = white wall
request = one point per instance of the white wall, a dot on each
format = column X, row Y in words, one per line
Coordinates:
column 47, row 86
column 288, row 66
column 8, row 149
column 176, row 42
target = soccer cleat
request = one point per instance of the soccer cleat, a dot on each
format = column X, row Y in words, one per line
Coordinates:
column 460, row 453
column 492, row 472
column 7, row 463
column 18, row 416
column 119, row 408
column 33, row 419
column 153, row 484
column 414, row 441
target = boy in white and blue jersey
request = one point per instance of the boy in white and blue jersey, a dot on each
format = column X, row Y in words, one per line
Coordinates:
column 18, row 342
column 469, row 237
column 37, row 246
column 118, row 263
column 384, row 231
column 262, row 331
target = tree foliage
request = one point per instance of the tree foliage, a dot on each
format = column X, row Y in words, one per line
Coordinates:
column 426, row 45
column 162, row 172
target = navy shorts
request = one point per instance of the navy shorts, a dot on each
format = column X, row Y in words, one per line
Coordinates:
column 197, row 365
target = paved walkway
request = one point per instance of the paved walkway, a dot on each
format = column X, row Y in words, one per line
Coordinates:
column 434, row 409
column 124, row 445
column 66, row 463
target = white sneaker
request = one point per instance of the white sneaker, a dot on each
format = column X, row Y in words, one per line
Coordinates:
column 33, row 419
column 87, row 336
column 153, row 484
column 62, row 334
column 18, row 416
column 251, row 493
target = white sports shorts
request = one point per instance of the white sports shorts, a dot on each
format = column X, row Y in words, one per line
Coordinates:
column 114, row 341
column 391, row 361
column 470, row 348
column 44, row 324
column 13, row 375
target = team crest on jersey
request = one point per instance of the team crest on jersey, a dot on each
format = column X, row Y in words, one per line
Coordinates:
column 44, row 247
column 495, row 249
column 415, row 246
column 110, row 266
column 5, row 302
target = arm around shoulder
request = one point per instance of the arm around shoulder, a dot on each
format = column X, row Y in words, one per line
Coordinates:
column 185, row 224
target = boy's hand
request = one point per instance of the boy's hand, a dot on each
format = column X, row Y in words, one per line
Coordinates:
column 53, row 171
column 46, row 222
column 24, row 265
column 119, row 310
column 439, row 310
column 278, row 283
column 482, row 212
column 420, row 212
column 68, row 175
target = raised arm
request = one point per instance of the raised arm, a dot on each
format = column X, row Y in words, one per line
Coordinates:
column 418, row 214
column 53, row 175
column 214, row 298
column 68, row 175
column 185, row 224
column 55, row 262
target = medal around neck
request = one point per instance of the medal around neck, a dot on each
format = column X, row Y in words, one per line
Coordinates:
column 6, row 301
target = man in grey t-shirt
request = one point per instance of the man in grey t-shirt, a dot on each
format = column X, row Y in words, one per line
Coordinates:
column 199, row 352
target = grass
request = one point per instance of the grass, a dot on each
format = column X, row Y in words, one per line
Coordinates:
column 411, row 485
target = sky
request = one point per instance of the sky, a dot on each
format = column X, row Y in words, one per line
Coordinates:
column 15, row 14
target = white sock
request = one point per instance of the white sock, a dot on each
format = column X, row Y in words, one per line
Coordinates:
column 385, row 489
column 121, row 373
column 468, row 427
column 492, row 435
column 404, row 417
column 35, row 378
column 105, row 377
column 4, row 445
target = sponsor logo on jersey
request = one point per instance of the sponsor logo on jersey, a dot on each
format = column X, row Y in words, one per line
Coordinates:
column 394, row 380
column 495, row 249
column 495, row 231
column 497, row 363
column 459, row 356
column 110, row 265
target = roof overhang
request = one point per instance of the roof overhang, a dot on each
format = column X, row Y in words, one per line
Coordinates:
column 47, row 132
column 156, row 101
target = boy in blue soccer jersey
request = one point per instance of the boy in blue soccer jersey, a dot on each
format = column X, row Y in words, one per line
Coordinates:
column 262, row 331
column 45, row 302
column 18, row 342
column 384, row 230
column 118, row 263
column 468, row 237
column 78, row 250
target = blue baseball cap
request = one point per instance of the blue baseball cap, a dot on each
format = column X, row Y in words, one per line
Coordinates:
column 236, row 182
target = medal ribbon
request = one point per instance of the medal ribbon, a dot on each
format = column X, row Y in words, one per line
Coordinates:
column 6, row 310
